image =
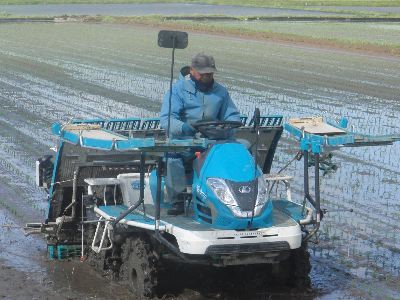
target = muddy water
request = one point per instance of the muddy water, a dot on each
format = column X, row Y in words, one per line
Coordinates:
column 26, row 273
column 53, row 72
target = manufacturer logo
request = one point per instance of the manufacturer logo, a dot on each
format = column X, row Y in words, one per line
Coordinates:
column 136, row 184
column 244, row 189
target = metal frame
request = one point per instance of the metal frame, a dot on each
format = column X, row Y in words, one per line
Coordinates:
column 106, row 230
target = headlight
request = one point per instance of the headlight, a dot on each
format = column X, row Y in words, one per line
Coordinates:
column 221, row 190
column 262, row 196
column 262, row 192
column 224, row 193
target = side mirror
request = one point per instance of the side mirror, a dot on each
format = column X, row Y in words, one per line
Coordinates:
column 173, row 39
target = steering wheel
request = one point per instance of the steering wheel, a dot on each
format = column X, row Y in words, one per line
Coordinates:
column 216, row 130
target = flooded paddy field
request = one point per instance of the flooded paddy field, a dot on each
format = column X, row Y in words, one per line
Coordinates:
column 55, row 72
column 382, row 9
column 141, row 9
column 379, row 34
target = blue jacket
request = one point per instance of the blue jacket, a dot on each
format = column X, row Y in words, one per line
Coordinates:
column 189, row 105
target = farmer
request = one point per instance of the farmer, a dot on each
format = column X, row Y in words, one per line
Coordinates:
column 195, row 97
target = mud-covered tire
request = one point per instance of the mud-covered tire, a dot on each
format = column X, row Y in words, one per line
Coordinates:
column 302, row 267
column 97, row 261
column 103, row 262
column 296, row 269
column 139, row 267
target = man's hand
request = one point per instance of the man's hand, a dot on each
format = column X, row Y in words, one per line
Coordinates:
column 188, row 130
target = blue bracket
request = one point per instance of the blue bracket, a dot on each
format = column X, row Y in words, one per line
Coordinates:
column 134, row 143
column 308, row 143
column 304, row 144
column 344, row 122
column 70, row 137
column 316, row 147
column 56, row 129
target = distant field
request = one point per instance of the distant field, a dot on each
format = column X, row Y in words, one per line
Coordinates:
column 265, row 3
column 377, row 37
column 381, row 34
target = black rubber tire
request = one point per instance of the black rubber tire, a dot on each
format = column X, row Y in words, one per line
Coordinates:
column 296, row 269
column 139, row 267
column 302, row 267
column 102, row 262
column 96, row 260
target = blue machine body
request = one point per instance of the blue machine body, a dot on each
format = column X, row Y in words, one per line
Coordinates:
column 227, row 163
column 231, row 162
column 153, row 187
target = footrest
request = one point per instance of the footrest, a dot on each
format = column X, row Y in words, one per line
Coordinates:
column 136, row 219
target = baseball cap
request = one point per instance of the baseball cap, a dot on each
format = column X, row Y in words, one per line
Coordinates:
column 204, row 63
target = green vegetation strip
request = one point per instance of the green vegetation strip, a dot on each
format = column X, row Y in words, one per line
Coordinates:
column 258, row 3
column 378, row 37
